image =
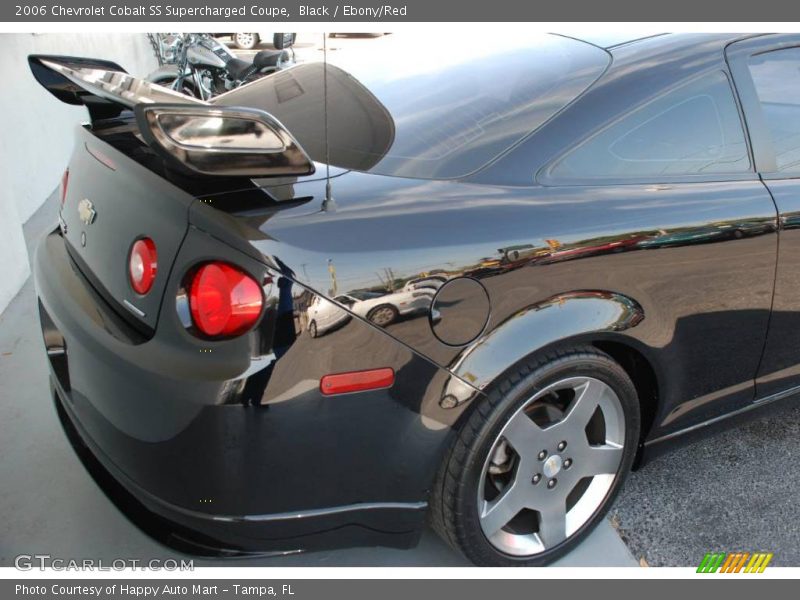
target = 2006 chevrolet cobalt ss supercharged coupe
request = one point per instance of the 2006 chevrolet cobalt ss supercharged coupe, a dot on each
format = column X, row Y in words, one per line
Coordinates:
column 347, row 299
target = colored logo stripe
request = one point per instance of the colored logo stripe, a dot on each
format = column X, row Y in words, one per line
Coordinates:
column 711, row 562
column 758, row 563
column 734, row 562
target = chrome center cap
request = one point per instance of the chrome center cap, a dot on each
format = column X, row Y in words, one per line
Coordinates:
column 552, row 466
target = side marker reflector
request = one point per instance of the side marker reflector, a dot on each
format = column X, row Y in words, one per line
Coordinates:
column 356, row 381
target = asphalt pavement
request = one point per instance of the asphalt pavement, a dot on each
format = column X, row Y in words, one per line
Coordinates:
column 735, row 491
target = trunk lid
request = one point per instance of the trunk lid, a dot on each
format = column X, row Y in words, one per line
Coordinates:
column 112, row 201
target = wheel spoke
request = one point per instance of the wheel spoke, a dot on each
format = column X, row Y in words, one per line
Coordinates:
column 563, row 454
column 499, row 512
column 602, row 459
column 523, row 434
column 587, row 398
column 553, row 523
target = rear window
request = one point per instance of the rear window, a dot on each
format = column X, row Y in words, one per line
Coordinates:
column 692, row 130
column 439, row 110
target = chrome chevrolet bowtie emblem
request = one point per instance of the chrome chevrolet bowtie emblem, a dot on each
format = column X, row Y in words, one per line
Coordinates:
column 86, row 211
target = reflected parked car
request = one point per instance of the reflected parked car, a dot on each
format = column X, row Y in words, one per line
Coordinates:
column 325, row 315
column 379, row 308
column 428, row 282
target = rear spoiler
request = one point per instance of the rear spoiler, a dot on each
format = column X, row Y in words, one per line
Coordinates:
column 102, row 86
column 212, row 140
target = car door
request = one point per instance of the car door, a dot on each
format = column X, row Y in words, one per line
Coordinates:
column 766, row 70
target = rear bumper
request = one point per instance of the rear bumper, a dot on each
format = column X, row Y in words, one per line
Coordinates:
column 202, row 534
column 222, row 449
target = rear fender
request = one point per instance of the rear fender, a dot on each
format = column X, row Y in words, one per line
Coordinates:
column 543, row 324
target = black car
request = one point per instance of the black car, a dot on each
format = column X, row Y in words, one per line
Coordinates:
column 601, row 219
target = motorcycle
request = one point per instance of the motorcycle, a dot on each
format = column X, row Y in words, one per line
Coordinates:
column 201, row 66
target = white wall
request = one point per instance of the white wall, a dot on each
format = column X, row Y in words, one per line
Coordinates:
column 14, row 256
column 37, row 130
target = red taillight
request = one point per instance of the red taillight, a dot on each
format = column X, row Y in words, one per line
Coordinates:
column 224, row 301
column 356, row 381
column 64, row 184
column 142, row 265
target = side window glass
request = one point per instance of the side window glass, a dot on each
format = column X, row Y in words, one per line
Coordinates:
column 776, row 76
column 693, row 130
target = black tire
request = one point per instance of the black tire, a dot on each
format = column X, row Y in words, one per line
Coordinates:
column 277, row 41
column 312, row 329
column 372, row 316
column 454, row 511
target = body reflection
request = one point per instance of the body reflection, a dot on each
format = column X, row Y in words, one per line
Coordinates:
column 381, row 308
column 281, row 329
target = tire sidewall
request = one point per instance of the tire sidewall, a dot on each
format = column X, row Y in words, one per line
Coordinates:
column 475, row 544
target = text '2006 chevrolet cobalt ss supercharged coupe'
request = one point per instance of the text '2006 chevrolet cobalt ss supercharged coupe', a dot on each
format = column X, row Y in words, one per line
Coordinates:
column 352, row 298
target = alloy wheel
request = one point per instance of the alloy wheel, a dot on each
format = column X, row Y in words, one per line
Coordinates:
column 245, row 40
column 551, row 466
column 383, row 316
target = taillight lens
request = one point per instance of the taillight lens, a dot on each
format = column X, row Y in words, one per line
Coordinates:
column 224, row 301
column 64, row 184
column 143, row 265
